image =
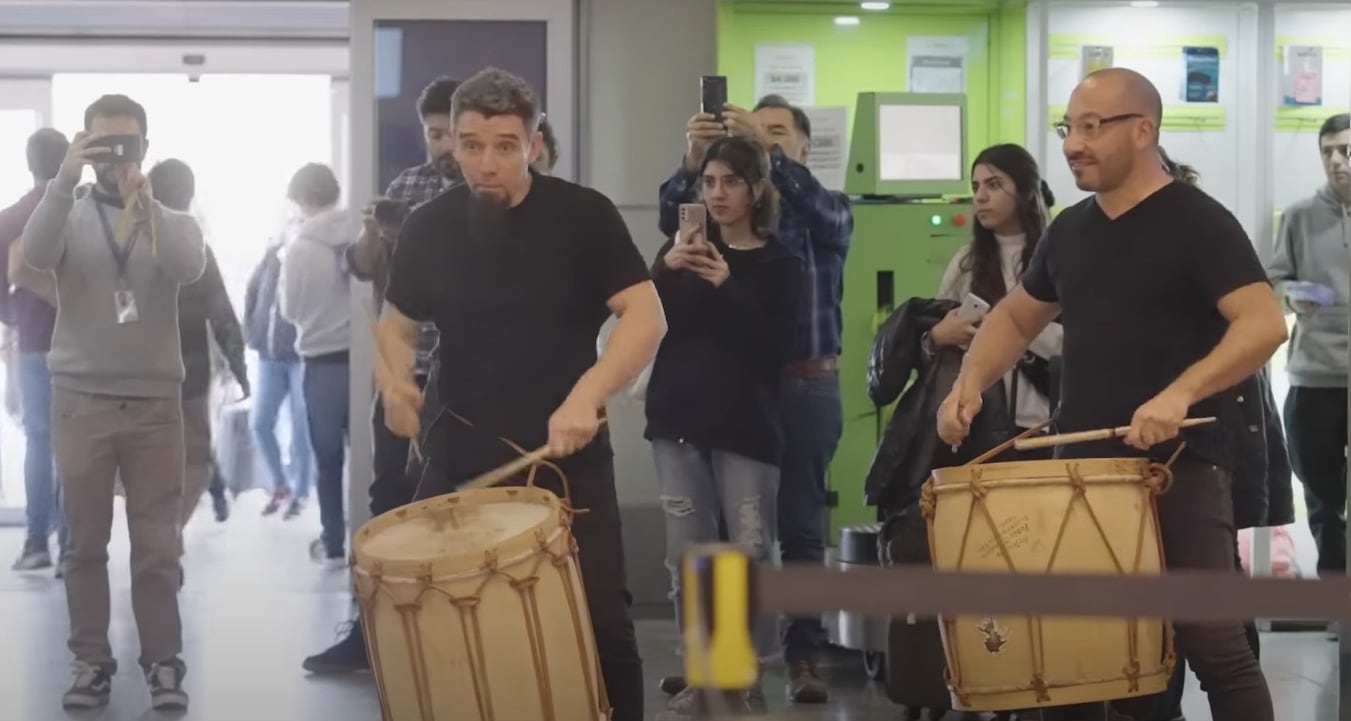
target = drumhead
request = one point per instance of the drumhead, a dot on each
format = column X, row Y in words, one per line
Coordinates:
column 454, row 530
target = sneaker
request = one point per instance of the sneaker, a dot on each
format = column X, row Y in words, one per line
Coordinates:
column 805, row 685
column 688, row 703
column 34, row 557
column 166, row 686
column 295, row 509
column 348, row 655
column 672, row 685
column 274, row 504
column 92, row 687
column 324, row 557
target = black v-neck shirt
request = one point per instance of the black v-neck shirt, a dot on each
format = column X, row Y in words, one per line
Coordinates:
column 518, row 312
column 1139, row 298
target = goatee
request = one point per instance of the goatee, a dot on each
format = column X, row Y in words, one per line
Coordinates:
column 487, row 216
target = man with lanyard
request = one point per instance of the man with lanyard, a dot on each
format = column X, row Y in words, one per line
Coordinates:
column 815, row 224
column 117, row 376
column 393, row 481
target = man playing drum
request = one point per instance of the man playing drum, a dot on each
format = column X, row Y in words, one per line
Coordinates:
column 1165, row 307
column 519, row 271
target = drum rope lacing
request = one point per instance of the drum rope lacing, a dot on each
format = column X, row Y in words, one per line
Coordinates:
column 1157, row 481
column 467, row 606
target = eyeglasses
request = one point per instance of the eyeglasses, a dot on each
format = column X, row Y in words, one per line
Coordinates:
column 1088, row 128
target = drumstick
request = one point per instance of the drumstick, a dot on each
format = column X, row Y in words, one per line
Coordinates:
column 1098, row 435
column 507, row 470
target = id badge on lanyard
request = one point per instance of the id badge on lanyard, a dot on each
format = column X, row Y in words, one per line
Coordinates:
column 124, row 299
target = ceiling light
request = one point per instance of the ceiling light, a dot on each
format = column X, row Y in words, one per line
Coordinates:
column 1144, row 3
column 875, row 5
column 847, row 20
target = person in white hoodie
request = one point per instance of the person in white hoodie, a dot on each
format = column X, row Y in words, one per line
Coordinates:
column 1309, row 270
column 314, row 297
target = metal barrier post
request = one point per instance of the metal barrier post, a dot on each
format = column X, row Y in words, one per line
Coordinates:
column 717, row 608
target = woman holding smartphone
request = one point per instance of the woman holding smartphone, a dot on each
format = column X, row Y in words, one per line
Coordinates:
column 1011, row 202
column 730, row 294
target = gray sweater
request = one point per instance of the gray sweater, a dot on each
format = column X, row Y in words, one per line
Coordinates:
column 92, row 352
column 1311, row 245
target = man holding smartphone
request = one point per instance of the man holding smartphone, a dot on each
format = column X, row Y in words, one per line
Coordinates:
column 393, row 480
column 815, row 224
column 120, row 258
column 1310, row 272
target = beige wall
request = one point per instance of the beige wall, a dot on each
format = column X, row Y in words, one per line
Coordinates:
column 640, row 67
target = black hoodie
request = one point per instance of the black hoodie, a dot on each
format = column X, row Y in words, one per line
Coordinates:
column 715, row 382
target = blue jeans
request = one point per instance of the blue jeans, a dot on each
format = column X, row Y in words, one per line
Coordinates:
column 812, row 422
column 280, row 382
column 698, row 490
column 39, row 465
column 326, row 394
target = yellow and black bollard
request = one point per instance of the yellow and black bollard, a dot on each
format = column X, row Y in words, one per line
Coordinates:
column 718, row 610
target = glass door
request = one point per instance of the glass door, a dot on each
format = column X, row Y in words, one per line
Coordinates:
column 25, row 106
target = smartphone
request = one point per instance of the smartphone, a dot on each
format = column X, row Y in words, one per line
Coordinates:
column 693, row 217
column 118, row 149
column 973, row 308
column 713, row 91
column 390, row 213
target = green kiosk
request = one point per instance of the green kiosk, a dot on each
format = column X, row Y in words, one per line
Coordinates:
column 909, row 182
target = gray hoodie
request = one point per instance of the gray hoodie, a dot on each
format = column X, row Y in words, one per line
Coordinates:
column 1311, row 246
column 315, row 292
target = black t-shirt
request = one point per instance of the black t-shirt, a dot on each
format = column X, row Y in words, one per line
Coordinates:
column 1138, row 297
column 519, row 309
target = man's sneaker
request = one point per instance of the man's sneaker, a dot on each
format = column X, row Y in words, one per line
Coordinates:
column 34, row 557
column 91, row 688
column 320, row 554
column 805, row 685
column 166, row 686
column 348, row 655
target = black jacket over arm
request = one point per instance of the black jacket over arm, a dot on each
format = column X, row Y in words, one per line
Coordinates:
column 910, row 447
column 715, row 381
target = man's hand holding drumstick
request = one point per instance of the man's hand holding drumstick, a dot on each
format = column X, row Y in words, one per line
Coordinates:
column 395, row 343
column 1003, row 337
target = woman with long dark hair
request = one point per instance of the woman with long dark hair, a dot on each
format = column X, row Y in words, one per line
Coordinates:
column 730, row 295
column 1011, row 204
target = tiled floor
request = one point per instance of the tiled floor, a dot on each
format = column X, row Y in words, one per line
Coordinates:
column 254, row 606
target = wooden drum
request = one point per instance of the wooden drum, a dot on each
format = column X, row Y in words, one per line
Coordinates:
column 473, row 609
column 1053, row 516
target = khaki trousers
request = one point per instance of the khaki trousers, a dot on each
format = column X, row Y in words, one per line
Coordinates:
column 95, row 438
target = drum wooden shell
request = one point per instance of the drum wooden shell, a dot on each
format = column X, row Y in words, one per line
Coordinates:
column 473, row 609
column 1053, row 516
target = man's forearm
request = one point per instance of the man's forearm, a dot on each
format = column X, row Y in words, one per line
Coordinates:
column 632, row 345
column 180, row 248
column 44, row 236
column 996, row 348
column 367, row 256
column 1246, row 346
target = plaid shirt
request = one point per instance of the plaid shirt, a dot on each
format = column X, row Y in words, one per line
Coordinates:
column 415, row 186
column 814, row 223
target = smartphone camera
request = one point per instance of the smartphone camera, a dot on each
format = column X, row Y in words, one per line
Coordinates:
column 115, row 149
column 713, row 95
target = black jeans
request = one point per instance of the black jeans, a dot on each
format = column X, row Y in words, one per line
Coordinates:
column 1196, row 521
column 1315, row 426
column 392, row 484
column 455, row 453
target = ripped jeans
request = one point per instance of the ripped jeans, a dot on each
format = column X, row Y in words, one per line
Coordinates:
column 704, row 493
